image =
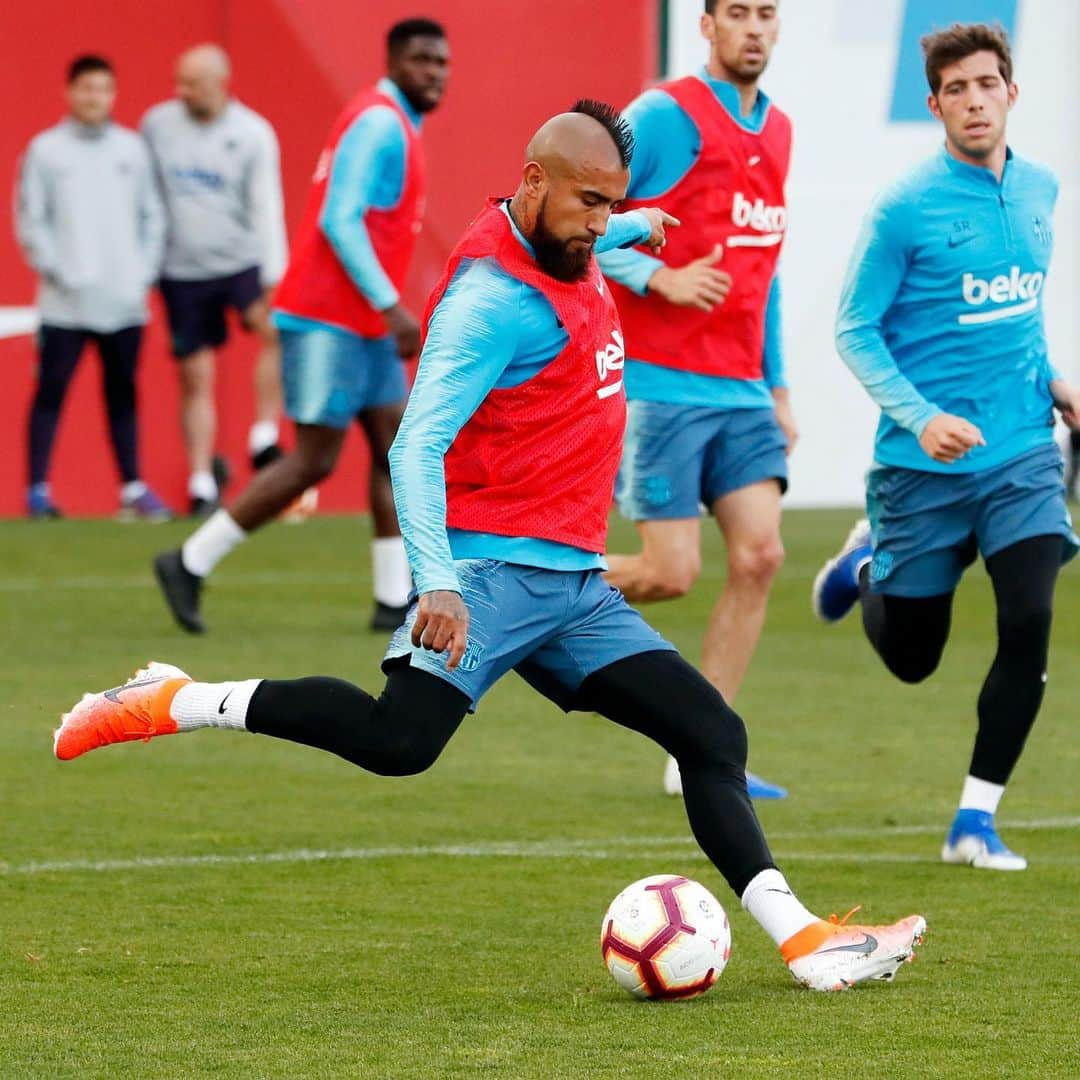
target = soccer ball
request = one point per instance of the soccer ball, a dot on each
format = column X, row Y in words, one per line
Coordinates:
column 665, row 937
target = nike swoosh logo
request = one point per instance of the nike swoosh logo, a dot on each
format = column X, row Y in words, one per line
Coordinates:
column 963, row 238
column 111, row 694
column 784, row 892
column 221, row 707
column 751, row 162
column 866, row 946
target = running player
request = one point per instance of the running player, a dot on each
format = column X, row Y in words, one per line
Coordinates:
column 217, row 164
column 344, row 330
column 941, row 320
column 710, row 420
column 504, row 470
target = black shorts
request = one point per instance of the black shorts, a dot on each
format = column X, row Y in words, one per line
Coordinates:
column 197, row 308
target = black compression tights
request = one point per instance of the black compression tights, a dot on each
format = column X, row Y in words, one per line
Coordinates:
column 658, row 694
column 910, row 634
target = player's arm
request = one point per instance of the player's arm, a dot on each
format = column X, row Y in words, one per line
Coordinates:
column 34, row 225
column 665, row 149
column 268, row 207
column 645, row 226
column 772, row 365
column 151, row 219
column 875, row 273
column 472, row 336
column 368, row 172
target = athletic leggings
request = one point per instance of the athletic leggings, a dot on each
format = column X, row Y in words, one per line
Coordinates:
column 656, row 693
column 909, row 635
column 60, row 350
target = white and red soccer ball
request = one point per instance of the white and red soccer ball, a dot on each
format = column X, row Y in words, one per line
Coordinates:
column 665, row 937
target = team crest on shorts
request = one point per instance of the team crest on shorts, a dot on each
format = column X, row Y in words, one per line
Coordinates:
column 473, row 652
column 657, row 490
column 881, row 566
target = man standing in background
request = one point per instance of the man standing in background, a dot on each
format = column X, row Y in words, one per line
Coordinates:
column 344, row 330
column 218, row 166
column 709, row 419
column 90, row 223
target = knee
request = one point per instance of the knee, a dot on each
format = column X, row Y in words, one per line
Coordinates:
column 757, row 564
column 403, row 758
column 1025, row 631
column 670, row 580
column 717, row 740
column 313, row 467
column 915, row 665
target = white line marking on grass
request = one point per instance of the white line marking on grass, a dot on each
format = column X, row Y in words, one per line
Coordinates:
column 674, row 848
column 104, row 583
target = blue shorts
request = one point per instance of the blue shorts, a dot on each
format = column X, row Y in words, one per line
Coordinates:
column 678, row 457
column 196, row 309
column 927, row 527
column 553, row 627
column 330, row 375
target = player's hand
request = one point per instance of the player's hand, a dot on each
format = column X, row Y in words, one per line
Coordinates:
column 442, row 625
column 1067, row 400
column 658, row 219
column 948, row 438
column 405, row 328
column 698, row 284
column 785, row 417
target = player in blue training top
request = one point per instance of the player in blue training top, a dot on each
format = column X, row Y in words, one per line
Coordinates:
column 941, row 320
column 710, row 421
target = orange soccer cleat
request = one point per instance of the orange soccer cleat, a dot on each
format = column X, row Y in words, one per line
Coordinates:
column 835, row 955
column 137, row 710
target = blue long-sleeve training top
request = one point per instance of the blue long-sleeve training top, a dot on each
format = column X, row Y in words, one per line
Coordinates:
column 667, row 144
column 488, row 331
column 367, row 173
column 941, row 310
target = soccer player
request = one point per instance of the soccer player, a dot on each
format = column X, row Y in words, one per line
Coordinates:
column 503, row 471
column 90, row 223
column 941, row 320
column 710, row 420
column 217, row 165
column 344, row 330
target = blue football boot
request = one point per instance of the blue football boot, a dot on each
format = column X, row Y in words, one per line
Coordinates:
column 836, row 588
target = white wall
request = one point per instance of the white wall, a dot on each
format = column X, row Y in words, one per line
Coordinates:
column 832, row 72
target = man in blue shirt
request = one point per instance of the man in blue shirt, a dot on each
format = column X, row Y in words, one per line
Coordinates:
column 343, row 326
column 710, row 423
column 515, row 584
column 941, row 320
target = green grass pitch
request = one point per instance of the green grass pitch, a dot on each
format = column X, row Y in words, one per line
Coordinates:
column 448, row 925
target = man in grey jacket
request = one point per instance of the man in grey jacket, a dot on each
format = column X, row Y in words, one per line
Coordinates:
column 91, row 225
column 217, row 166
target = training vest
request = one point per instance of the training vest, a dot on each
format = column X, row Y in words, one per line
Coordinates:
column 316, row 285
column 539, row 459
column 733, row 195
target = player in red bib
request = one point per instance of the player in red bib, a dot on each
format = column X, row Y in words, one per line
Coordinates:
column 343, row 327
column 710, row 423
column 503, row 473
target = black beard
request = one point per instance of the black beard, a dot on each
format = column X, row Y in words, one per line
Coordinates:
column 554, row 256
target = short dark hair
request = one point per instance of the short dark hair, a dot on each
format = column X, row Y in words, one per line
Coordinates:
column 613, row 122
column 87, row 63
column 961, row 40
column 710, row 6
column 399, row 35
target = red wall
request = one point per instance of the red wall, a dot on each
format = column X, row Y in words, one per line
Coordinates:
column 296, row 61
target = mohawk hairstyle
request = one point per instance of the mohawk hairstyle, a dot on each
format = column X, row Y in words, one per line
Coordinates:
column 613, row 122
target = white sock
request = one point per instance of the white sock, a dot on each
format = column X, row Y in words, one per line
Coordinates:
column 210, row 543
column 223, row 704
column 263, row 433
column 390, row 570
column 201, row 485
column 770, row 900
column 981, row 795
column 132, row 490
